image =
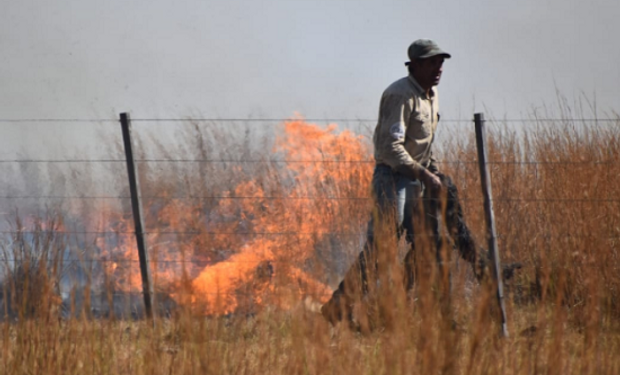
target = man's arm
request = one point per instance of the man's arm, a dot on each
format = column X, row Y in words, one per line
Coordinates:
column 432, row 165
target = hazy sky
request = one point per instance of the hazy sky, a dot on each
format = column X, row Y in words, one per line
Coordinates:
column 326, row 59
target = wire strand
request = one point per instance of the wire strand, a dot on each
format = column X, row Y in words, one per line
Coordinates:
column 309, row 198
column 514, row 120
column 44, row 120
column 250, row 161
column 312, row 119
column 288, row 233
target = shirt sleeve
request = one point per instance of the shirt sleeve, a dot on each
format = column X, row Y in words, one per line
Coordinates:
column 432, row 165
column 394, row 115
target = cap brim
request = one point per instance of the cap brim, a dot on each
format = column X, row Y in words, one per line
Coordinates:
column 444, row 54
column 436, row 53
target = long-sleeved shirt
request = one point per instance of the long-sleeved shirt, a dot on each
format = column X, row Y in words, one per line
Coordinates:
column 406, row 127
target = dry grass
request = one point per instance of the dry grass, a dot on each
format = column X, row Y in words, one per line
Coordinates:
column 557, row 199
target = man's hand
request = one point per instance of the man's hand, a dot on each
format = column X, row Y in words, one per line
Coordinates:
column 430, row 180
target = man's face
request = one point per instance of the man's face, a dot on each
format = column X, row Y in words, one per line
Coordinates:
column 428, row 71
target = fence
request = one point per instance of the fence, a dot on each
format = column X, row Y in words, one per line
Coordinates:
column 328, row 193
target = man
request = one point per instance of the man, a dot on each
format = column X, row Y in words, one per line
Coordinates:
column 406, row 171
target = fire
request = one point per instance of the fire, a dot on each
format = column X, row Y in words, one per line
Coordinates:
column 252, row 245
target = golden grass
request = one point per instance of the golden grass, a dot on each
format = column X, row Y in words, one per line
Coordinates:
column 557, row 204
column 301, row 342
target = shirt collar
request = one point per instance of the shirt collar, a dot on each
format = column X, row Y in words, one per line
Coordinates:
column 420, row 89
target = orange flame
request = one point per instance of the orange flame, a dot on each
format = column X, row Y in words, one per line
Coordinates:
column 267, row 228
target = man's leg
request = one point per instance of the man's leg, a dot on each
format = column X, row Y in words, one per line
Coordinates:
column 411, row 213
column 436, row 203
column 389, row 191
column 426, row 212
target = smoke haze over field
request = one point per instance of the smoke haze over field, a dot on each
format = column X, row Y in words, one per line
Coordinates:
column 93, row 59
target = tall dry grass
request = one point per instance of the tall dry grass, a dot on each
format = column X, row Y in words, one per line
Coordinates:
column 556, row 202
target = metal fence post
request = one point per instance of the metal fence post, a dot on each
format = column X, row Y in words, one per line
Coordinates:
column 485, row 179
column 136, row 205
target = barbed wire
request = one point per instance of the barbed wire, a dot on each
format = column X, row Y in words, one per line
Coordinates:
column 236, row 293
column 214, row 262
column 366, row 120
column 290, row 233
column 63, row 161
column 216, row 161
column 308, row 198
column 361, row 233
column 311, row 119
column 207, row 264
column 46, row 120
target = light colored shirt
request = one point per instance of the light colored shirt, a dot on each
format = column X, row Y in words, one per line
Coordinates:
column 407, row 124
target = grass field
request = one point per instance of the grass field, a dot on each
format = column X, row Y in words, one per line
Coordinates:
column 258, row 246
